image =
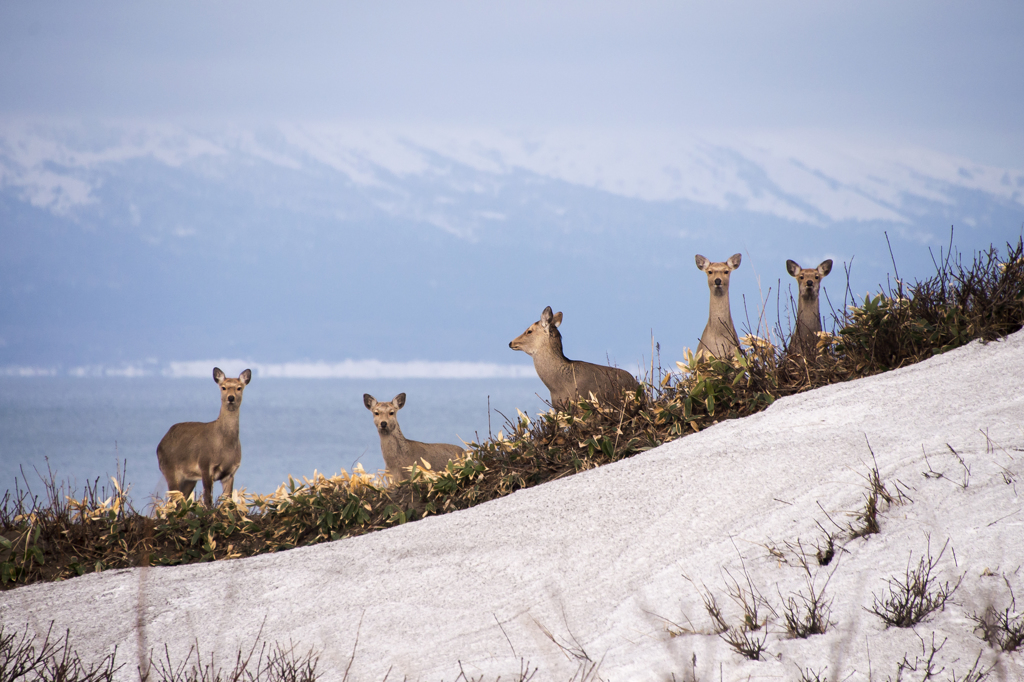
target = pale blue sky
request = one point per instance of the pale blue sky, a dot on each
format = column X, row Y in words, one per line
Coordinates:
column 948, row 75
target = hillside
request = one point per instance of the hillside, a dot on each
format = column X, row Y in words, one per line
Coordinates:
column 607, row 569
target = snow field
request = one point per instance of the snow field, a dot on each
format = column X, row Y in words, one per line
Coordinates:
column 611, row 562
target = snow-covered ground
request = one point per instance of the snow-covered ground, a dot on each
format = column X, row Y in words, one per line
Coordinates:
column 612, row 562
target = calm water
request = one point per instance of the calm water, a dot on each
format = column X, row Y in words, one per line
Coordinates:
column 84, row 428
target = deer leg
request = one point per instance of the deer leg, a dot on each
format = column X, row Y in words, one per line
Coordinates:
column 226, row 485
column 207, row 489
column 186, row 487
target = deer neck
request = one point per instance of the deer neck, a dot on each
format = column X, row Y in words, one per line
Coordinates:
column 807, row 317
column 394, row 440
column 227, row 421
column 549, row 359
column 720, row 313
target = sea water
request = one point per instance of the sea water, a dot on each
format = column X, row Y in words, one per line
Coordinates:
column 88, row 428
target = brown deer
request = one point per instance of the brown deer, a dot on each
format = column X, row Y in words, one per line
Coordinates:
column 719, row 339
column 808, row 316
column 193, row 451
column 569, row 380
column 399, row 452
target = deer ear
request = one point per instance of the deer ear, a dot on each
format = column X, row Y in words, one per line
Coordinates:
column 702, row 262
column 825, row 267
column 557, row 319
column 734, row 261
column 218, row 375
column 399, row 400
column 369, row 401
column 246, row 376
column 792, row 267
column 545, row 317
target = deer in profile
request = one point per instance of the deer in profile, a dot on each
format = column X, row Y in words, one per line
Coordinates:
column 399, row 452
column 719, row 339
column 207, row 451
column 569, row 380
column 808, row 316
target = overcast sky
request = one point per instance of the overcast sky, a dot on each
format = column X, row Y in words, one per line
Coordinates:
column 944, row 74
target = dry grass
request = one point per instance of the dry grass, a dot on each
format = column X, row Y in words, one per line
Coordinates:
column 25, row 656
column 919, row 594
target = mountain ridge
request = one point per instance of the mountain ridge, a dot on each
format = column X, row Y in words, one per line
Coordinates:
column 124, row 244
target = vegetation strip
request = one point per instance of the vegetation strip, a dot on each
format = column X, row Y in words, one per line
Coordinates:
column 59, row 536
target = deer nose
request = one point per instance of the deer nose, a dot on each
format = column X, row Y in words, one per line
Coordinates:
column 718, row 281
column 231, row 398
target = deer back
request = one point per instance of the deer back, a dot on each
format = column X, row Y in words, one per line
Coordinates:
column 583, row 378
column 436, row 454
column 190, row 448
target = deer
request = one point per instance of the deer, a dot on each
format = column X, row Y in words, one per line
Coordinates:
column 207, row 451
column 399, row 452
column 808, row 317
column 568, row 380
column 719, row 339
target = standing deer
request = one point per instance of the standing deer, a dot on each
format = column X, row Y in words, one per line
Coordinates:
column 719, row 338
column 568, row 380
column 808, row 317
column 193, row 451
column 399, row 452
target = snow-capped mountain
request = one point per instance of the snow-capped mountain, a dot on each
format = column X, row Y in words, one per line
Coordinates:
column 807, row 178
column 329, row 241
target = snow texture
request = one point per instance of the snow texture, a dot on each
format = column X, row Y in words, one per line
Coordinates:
column 612, row 562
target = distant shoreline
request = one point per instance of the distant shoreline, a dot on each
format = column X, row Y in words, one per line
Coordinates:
column 346, row 369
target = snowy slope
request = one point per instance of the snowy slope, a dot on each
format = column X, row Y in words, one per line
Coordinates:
column 604, row 559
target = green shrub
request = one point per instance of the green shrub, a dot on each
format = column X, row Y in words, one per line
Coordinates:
column 960, row 303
